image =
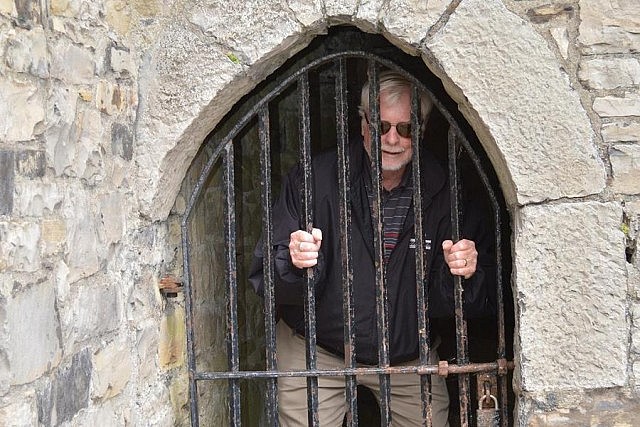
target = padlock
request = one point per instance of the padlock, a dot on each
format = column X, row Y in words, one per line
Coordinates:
column 488, row 417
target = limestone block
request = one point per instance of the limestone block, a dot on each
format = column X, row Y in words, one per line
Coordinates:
column 72, row 64
column 123, row 61
column 147, row 349
column 571, row 295
column 7, row 181
column 91, row 310
column 121, row 141
column 621, row 131
column 625, row 164
column 502, row 74
column 115, row 98
column 21, row 411
column 21, row 110
column 54, row 233
column 171, row 346
column 83, row 256
column 112, row 214
column 31, row 163
column 409, row 20
column 609, row 73
column 561, row 37
column 27, row 52
column 635, row 328
column 32, row 325
column 7, row 7
column 118, row 15
column 34, row 199
column 19, row 246
column 111, row 370
column 68, row 393
column 340, row 9
column 308, row 12
column 609, row 27
column 613, row 106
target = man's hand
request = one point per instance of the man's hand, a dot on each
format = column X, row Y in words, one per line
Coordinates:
column 462, row 258
column 304, row 247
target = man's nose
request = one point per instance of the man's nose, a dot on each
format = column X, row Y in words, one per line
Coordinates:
column 392, row 136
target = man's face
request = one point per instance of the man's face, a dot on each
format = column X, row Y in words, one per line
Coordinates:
column 396, row 149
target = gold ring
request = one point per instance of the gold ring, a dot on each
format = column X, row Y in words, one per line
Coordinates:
column 465, row 262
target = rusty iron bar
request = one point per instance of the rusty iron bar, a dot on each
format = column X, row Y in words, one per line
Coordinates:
column 307, row 219
column 233, row 351
column 170, row 286
column 382, row 306
column 351, row 393
column 267, row 263
column 443, row 368
column 461, row 323
column 422, row 281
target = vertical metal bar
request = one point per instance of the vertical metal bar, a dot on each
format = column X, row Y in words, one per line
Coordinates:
column 267, row 263
column 421, row 274
column 191, row 354
column 307, row 218
column 345, row 242
column 461, row 323
column 233, row 351
column 381, row 289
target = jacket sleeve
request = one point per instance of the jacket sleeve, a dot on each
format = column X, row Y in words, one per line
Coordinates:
column 479, row 290
column 288, row 279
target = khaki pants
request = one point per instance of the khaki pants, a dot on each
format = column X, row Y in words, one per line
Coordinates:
column 406, row 406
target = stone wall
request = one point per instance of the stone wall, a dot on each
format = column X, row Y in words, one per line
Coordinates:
column 104, row 104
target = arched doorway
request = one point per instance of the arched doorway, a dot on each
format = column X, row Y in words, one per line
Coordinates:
column 225, row 217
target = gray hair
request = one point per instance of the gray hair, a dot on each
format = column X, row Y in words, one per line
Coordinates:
column 393, row 84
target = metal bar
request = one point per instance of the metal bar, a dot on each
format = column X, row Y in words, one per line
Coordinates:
column 461, row 323
column 447, row 369
column 421, row 272
column 351, row 395
column 267, row 263
column 381, row 289
column 307, row 218
column 191, row 354
column 233, row 351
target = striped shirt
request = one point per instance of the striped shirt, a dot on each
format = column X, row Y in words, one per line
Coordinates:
column 395, row 205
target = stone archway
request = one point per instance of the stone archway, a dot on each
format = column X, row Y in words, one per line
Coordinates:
column 511, row 89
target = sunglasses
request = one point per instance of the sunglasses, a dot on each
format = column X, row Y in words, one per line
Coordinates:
column 403, row 128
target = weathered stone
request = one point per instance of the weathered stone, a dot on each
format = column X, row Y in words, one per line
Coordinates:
column 122, row 61
column 7, row 7
column 635, row 328
column 547, row 12
column 72, row 64
column 83, row 257
column 68, row 393
column 613, row 106
column 54, row 232
column 609, row 73
column 21, row 109
column 111, row 370
column 561, row 36
column 500, row 72
column 115, row 98
column 33, row 199
column 28, row 15
column 172, row 338
column 621, row 131
column 32, row 313
column 308, row 12
column 571, row 296
column 121, row 141
column 409, row 20
column 147, row 346
column 95, row 309
column 625, row 163
column 27, row 53
column 609, row 27
column 7, row 181
column 118, row 15
column 21, row 412
column 31, row 163
column 112, row 216
column 19, row 246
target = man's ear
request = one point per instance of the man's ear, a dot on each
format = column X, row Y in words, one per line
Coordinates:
column 364, row 127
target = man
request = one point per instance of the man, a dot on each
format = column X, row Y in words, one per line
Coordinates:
column 296, row 250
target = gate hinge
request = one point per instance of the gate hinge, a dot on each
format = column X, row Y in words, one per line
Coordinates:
column 170, row 286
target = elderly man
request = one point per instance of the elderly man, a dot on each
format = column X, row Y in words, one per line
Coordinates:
column 297, row 250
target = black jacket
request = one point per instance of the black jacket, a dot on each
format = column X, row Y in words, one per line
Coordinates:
column 400, row 271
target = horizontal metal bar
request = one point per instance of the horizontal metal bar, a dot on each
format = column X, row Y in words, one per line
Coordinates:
column 416, row 369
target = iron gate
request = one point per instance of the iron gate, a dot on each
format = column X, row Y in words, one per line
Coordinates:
column 223, row 151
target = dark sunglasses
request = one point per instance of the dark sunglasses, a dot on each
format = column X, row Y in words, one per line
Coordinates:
column 403, row 129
